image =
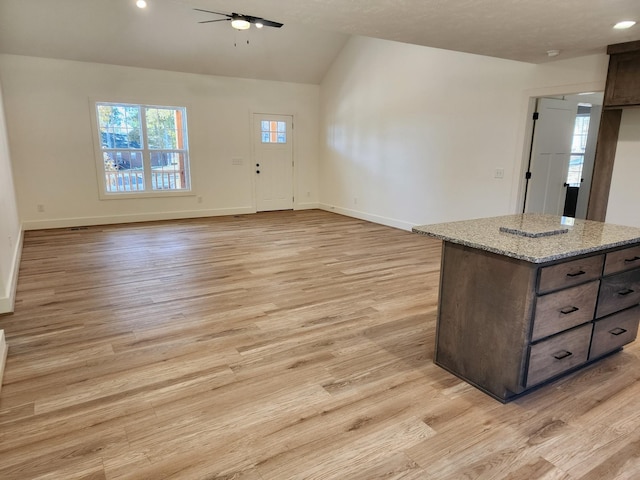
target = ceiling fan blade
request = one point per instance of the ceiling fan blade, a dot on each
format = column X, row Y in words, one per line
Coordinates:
column 215, row 13
column 217, row 20
column 268, row 23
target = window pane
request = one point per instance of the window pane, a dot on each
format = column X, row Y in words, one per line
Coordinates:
column 168, row 171
column 119, row 126
column 574, row 176
column 580, row 134
column 165, row 128
column 273, row 131
column 123, row 171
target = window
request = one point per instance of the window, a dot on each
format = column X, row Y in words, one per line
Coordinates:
column 143, row 148
column 273, row 132
column 579, row 145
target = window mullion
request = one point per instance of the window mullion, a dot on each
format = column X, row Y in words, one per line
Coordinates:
column 146, row 153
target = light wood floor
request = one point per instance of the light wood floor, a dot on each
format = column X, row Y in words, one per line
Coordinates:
column 286, row 345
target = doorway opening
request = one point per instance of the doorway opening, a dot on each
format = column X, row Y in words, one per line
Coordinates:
column 561, row 154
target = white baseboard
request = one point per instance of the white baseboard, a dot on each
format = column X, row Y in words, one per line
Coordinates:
column 3, row 355
column 307, row 206
column 131, row 218
column 8, row 298
column 389, row 222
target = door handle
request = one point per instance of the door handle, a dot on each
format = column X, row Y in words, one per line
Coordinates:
column 257, row 171
column 566, row 184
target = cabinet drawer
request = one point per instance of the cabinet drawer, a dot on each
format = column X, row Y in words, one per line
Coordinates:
column 618, row 292
column 615, row 331
column 558, row 354
column 570, row 273
column 562, row 310
column 622, row 260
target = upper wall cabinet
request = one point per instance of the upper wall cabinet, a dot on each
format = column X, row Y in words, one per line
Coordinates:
column 623, row 78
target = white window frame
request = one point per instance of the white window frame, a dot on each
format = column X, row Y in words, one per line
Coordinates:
column 104, row 194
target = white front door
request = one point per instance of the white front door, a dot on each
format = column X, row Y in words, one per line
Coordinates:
column 551, row 151
column 273, row 155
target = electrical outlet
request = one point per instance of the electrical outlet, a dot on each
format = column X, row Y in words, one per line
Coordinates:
column 236, row 161
column 499, row 173
column 199, row 199
column 355, row 200
column 40, row 208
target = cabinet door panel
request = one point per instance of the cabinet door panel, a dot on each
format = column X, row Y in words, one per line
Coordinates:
column 562, row 310
column 613, row 332
column 618, row 292
column 622, row 260
column 571, row 273
column 558, row 354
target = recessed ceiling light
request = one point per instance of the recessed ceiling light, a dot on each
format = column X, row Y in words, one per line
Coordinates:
column 624, row 25
column 553, row 53
column 141, row 4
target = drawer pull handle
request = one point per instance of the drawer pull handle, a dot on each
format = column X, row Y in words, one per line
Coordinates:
column 626, row 292
column 617, row 331
column 563, row 354
column 568, row 310
column 577, row 274
column 631, row 260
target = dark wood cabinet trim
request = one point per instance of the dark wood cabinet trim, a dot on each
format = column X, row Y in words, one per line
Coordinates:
column 618, row 94
column 603, row 164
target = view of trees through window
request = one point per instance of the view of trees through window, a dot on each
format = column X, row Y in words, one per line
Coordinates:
column 143, row 147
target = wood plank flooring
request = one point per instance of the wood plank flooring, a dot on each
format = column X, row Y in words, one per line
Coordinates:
column 284, row 345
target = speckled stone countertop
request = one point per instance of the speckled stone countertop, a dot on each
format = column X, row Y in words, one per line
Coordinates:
column 533, row 237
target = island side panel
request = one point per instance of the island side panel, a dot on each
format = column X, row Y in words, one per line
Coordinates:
column 484, row 317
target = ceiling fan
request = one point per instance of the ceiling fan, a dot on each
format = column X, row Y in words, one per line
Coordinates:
column 240, row 21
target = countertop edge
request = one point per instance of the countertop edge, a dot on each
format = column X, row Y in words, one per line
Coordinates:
column 537, row 260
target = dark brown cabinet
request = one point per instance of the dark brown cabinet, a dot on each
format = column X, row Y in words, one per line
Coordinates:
column 622, row 90
column 623, row 80
column 507, row 326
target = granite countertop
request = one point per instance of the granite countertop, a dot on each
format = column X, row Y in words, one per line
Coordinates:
column 535, row 238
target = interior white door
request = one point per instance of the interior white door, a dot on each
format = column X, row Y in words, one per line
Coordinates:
column 551, row 151
column 273, row 155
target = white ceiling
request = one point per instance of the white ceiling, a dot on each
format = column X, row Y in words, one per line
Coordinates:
column 167, row 35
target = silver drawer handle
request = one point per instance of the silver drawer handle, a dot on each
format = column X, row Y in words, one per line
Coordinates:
column 617, row 331
column 562, row 354
column 568, row 310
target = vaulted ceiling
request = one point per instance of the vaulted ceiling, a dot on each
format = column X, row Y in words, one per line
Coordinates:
column 166, row 35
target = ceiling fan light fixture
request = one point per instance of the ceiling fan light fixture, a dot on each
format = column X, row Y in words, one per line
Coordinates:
column 259, row 24
column 240, row 23
column 624, row 24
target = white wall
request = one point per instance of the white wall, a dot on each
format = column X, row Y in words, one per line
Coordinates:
column 414, row 135
column 624, row 196
column 48, row 104
column 10, row 229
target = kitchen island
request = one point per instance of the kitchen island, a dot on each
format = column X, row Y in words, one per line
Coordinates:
column 525, row 299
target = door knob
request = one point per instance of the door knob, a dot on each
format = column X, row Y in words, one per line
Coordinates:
column 257, row 164
column 257, row 171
